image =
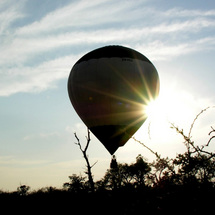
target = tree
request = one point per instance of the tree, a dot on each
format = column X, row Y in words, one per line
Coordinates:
column 139, row 170
column 125, row 175
column 196, row 164
column 76, row 184
column 84, row 152
column 23, row 190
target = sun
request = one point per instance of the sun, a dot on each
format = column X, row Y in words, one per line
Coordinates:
column 152, row 108
column 170, row 107
column 156, row 110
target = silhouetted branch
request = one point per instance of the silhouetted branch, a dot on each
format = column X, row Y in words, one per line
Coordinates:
column 196, row 149
column 88, row 140
column 191, row 127
column 211, row 137
column 149, row 131
column 155, row 153
column 187, row 139
column 78, row 143
column 94, row 164
column 84, row 152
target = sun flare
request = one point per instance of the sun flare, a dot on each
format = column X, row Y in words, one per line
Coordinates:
column 169, row 107
column 152, row 108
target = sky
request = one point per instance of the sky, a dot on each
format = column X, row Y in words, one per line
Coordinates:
column 40, row 42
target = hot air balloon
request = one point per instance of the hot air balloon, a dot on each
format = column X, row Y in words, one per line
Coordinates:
column 109, row 88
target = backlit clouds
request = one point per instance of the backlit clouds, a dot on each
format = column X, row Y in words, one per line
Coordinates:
column 35, row 79
column 35, row 55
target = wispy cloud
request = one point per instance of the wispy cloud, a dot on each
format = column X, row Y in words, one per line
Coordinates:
column 10, row 11
column 81, row 14
column 12, row 161
column 161, row 51
column 36, row 55
column 42, row 136
column 35, row 79
column 179, row 12
column 21, row 48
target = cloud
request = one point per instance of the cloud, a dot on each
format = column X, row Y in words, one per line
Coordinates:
column 80, row 14
column 38, row 54
column 184, row 26
column 12, row 161
column 80, row 129
column 42, row 135
column 179, row 12
column 22, row 49
column 35, row 79
column 161, row 51
column 10, row 11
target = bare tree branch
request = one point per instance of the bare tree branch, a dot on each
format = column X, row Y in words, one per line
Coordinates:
column 191, row 127
column 155, row 153
column 78, row 143
column 94, row 164
column 88, row 140
column 211, row 137
column 84, row 152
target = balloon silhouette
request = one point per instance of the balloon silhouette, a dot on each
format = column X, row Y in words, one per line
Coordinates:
column 109, row 88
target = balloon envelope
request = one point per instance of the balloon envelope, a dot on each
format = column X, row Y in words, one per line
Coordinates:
column 109, row 89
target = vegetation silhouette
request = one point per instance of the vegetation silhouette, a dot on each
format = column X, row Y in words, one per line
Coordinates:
column 184, row 184
column 84, row 152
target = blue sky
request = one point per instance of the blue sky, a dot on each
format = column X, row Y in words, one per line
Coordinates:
column 40, row 42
